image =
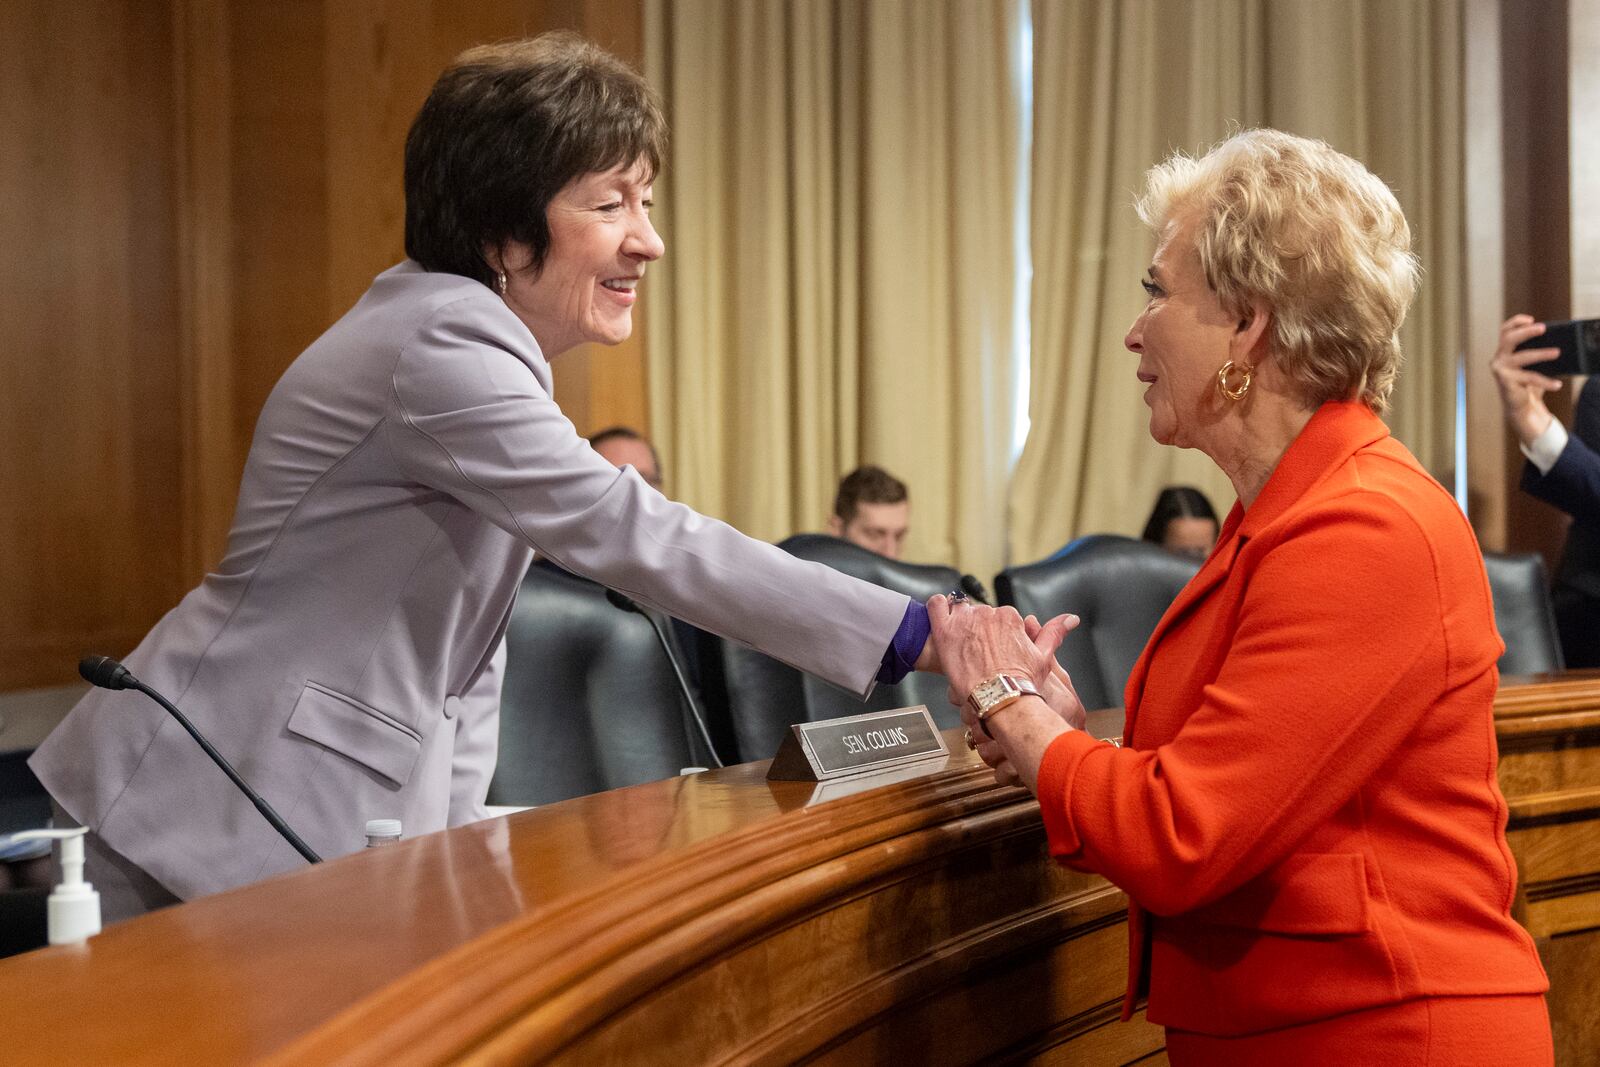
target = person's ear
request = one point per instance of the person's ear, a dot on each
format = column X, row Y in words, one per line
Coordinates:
column 508, row 256
column 494, row 256
column 835, row 526
column 1249, row 344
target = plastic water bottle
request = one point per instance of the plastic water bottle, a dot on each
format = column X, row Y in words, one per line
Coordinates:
column 383, row 832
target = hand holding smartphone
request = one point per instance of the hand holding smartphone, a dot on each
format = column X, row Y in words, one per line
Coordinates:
column 1578, row 342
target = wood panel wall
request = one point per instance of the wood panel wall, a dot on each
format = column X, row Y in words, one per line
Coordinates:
column 190, row 193
column 90, row 442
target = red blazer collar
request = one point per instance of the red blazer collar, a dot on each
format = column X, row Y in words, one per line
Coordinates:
column 1336, row 432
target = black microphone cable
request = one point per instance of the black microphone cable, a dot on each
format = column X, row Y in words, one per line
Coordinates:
column 106, row 673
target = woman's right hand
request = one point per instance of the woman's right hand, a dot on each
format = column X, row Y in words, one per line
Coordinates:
column 1521, row 390
column 1058, row 690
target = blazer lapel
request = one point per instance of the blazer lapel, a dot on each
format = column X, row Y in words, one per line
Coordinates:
column 1210, row 575
column 1337, row 431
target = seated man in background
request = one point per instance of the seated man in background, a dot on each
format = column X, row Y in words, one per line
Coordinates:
column 624, row 447
column 872, row 509
column 1562, row 470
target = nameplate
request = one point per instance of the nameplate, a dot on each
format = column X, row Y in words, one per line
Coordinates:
column 857, row 744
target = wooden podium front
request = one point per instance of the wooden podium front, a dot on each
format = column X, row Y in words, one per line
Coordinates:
column 719, row 918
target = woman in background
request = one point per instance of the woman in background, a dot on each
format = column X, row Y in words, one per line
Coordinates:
column 1303, row 809
column 1182, row 521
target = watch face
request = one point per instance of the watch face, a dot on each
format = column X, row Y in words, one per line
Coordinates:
column 991, row 690
column 994, row 693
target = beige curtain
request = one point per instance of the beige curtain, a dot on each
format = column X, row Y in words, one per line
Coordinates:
column 838, row 210
column 1118, row 85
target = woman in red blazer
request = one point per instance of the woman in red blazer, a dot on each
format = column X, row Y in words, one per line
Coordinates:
column 1304, row 808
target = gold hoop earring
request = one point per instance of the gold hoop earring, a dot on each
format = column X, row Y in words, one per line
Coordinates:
column 501, row 281
column 1233, row 392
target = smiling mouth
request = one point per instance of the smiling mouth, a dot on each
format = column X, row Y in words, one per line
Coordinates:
column 620, row 285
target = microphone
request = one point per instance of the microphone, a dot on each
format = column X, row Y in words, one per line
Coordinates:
column 626, row 603
column 974, row 589
column 103, row 672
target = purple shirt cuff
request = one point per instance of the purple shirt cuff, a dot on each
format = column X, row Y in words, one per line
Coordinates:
column 902, row 653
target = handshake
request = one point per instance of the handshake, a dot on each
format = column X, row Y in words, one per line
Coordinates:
column 973, row 644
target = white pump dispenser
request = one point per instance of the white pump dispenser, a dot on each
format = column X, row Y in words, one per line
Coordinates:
column 73, row 909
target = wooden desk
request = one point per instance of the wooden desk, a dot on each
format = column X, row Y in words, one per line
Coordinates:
column 1549, row 733
column 717, row 917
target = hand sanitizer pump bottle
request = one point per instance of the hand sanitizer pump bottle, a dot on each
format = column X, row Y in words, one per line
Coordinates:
column 73, row 909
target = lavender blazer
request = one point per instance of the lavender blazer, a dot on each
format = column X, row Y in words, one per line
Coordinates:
column 344, row 655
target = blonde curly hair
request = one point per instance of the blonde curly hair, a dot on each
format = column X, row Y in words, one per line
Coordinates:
column 1312, row 233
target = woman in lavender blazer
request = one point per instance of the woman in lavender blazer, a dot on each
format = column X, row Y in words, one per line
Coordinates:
column 344, row 654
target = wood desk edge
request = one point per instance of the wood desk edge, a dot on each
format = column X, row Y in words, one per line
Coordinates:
column 582, row 944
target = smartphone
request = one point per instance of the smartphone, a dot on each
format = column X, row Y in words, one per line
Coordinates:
column 1579, row 344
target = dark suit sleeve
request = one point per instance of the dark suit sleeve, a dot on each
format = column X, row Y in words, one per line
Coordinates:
column 1573, row 484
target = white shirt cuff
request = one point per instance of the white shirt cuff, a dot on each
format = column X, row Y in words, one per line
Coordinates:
column 1546, row 448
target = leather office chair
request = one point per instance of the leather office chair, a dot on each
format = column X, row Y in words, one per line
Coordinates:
column 1523, row 613
column 589, row 702
column 24, row 805
column 764, row 697
column 1118, row 586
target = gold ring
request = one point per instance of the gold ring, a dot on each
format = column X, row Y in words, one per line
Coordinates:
column 972, row 742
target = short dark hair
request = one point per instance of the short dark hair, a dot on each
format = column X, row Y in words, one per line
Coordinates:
column 1176, row 502
column 508, row 126
column 867, row 485
column 624, row 433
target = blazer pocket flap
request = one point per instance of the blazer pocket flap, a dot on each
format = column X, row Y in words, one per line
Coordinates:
column 1311, row 895
column 356, row 731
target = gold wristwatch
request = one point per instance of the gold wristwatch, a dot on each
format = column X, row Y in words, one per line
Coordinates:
column 994, row 693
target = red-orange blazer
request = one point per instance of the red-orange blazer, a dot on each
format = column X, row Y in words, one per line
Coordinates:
column 1306, row 816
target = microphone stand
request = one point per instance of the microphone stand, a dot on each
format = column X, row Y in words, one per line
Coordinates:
column 627, row 603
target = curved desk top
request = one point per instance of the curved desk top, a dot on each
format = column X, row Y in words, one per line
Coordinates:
column 709, row 918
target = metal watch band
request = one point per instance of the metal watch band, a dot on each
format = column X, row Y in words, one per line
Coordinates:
column 994, row 693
